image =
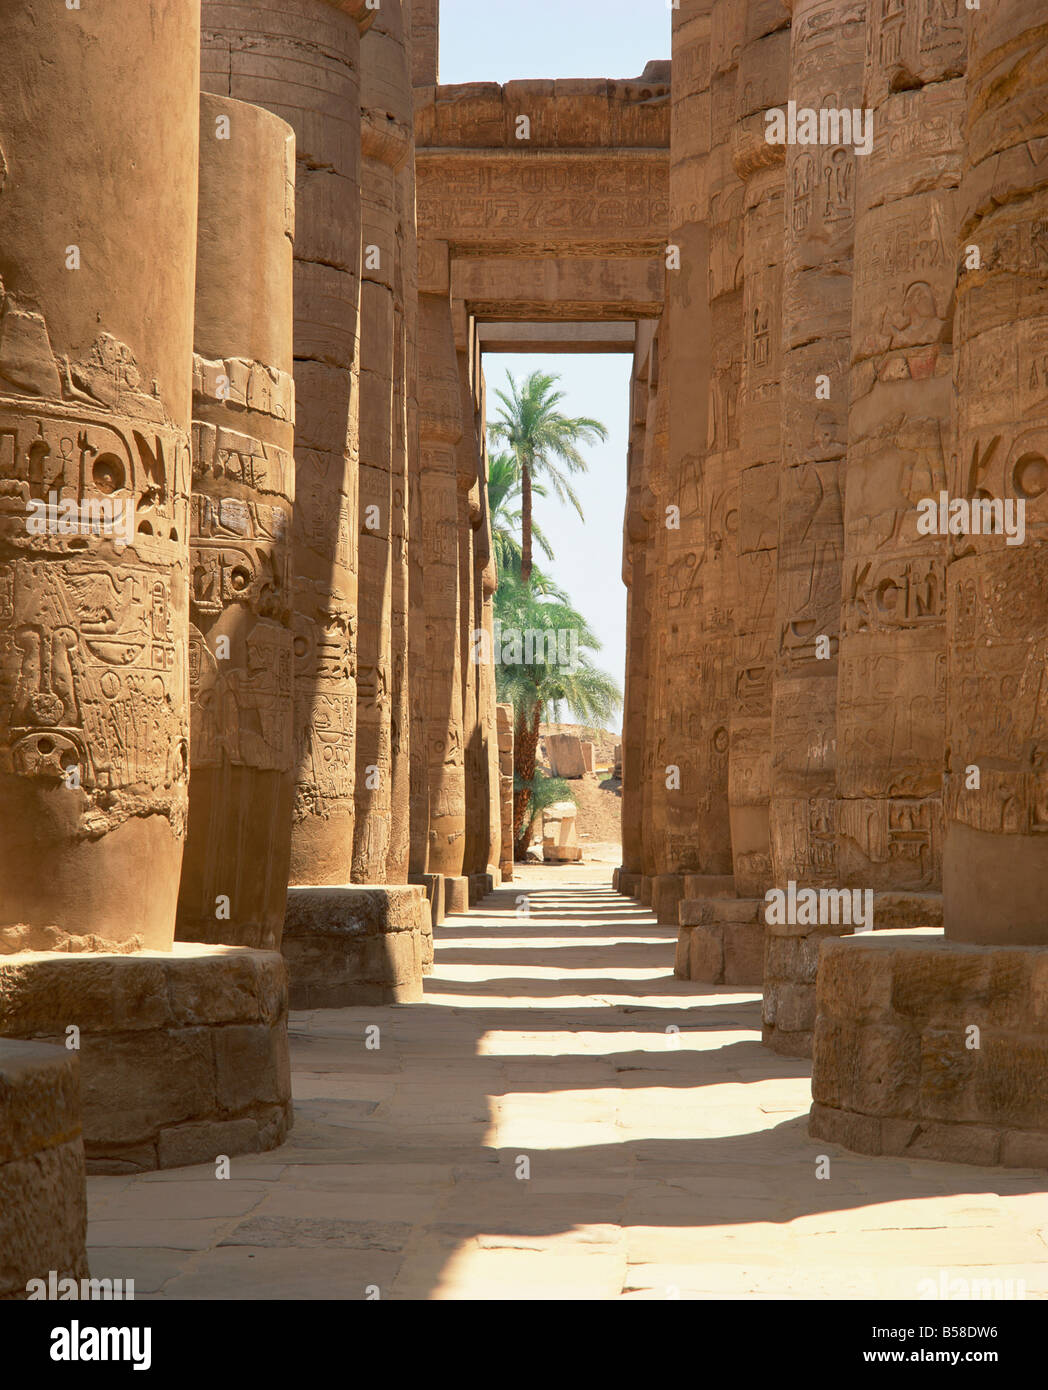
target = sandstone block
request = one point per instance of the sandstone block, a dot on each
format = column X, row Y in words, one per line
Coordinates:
column 355, row 945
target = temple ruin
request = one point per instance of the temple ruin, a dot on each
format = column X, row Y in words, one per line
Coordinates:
column 247, row 757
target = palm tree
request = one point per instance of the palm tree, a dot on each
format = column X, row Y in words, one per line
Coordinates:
column 535, row 683
column 541, row 439
column 503, row 492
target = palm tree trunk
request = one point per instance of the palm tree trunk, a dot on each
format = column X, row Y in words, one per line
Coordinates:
column 525, row 522
column 525, row 753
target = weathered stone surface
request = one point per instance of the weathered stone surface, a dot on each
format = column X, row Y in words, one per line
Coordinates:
column 504, row 733
column 43, row 1203
column 382, row 672
column 942, row 1042
column 95, row 376
column 302, row 62
column 355, row 945
column 566, row 756
column 456, row 894
column 235, row 869
column 151, row 1034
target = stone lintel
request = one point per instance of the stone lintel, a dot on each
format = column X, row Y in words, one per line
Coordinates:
column 556, row 337
column 594, row 203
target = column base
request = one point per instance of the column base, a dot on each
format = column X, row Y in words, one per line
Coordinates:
column 667, row 890
column 183, row 1054
column 434, row 886
column 480, row 885
column 43, row 1200
column 626, row 882
column 721, row 941
column 355, row 944
column 644, row 885
column 791, row 956
column 456, row 894
column 895, row 1069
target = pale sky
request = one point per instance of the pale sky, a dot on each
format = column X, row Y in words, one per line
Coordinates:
column 588, row 560
column 502, row 41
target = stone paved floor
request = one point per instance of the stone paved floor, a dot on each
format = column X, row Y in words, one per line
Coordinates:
column 663, row 1163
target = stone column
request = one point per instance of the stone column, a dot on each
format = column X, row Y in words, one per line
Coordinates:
column 418, row 739
column 425, row 41
column 655, row 790
column 399, row 853
column 479, row 580
column 891, row 696
column 470, row 619
column 826, row 72
column 504, row 714
column 440, row 432
column 405, row 458
column 301, row 59
column 690, row 744
column 234, row 875
column 99, row 133
column 722, row 939
column 956, row 1021
column 996, row 849
column 386, row 146
column 95, row 371
column 637, row 539
column 487, row 582
column 710, row 477
column 762, row 83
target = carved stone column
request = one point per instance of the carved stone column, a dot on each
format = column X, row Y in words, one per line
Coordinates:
column 505, row 735
column 656, row 771
column 386, row 145
column 234, row 876
column 408, row 664
column 98, row 232
column 709, row 482
column 956, row 1020
column 440, row 431
column 826, row 72
column 892, row 690
column 996, row 851
column 693, row 584
column 722, row 938
column 311, row 75
column 95, row 372
column 301, row 59
column 637, row 540
column 487, row 582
